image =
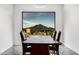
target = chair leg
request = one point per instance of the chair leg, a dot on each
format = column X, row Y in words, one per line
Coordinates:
column 54, row 51
column 57, row 50
column 24, row 49
column 23, row 53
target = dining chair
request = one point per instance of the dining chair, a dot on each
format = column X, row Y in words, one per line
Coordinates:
column 25, row 48
column 55, row 47
column 51, row 47
column 54, row 38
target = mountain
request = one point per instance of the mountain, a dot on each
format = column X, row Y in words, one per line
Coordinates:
column 41, row 27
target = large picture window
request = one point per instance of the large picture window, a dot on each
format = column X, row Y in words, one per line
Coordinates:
column 38, row 23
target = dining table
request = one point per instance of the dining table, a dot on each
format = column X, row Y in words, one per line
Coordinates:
column 40, row 44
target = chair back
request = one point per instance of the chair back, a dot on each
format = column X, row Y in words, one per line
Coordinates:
column 58, row 37
column 54, row 35
column 21, row 34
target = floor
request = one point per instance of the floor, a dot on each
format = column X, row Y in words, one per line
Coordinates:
column 17, row 50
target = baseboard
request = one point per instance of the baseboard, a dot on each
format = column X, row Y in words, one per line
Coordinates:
column 17, row 45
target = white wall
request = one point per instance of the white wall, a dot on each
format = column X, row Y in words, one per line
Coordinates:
column 71, row 27
column 18, row 18
column 5, row 27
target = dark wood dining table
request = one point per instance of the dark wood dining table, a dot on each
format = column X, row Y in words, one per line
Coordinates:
column 39, row 44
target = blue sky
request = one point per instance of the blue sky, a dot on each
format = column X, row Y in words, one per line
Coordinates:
column 34, row 18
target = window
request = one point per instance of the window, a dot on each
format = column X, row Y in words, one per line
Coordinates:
column 38, row 23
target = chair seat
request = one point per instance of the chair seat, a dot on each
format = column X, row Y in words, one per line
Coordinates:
column 28, row 46
column 28, row 53
column 52, row 48
column 50, row 45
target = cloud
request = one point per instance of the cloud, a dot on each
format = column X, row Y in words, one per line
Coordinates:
column 28, row 22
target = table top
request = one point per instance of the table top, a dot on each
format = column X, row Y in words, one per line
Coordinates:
column 40, row 39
